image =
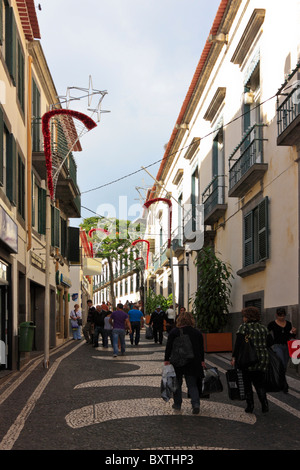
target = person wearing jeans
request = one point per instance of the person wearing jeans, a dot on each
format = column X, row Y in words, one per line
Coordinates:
column 120, row 322
column 193, row 370
column 282, row 331
column 136, row 319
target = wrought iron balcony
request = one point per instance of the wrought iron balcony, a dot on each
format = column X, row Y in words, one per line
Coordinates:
column 213, row 199
column 161, row 259
column 246, row 166
column 288, row 118
column 67, row 190
column 177, row 241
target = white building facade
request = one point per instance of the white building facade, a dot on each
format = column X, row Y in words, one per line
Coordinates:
column 230, row 168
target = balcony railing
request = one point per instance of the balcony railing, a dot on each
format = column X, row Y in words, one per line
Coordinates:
column 288, row 118
column 67, row 190
column 177, row 240
column 70, row 166
column 160, row 259
column 246, row 165
column 213, row 199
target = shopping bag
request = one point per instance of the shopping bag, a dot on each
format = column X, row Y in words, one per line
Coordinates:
column 149, row 332
column 235, row 384
column 201, row 395
column 275, row 374
column 294, row 350
column 168, row 383
column 74, row 324
column 247, row 355
column 211, row 383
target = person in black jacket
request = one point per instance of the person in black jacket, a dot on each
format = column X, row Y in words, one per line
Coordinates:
column 193, row 370
column 98, row 320
column 157, row 320
column 88, row 329
column 282, row 331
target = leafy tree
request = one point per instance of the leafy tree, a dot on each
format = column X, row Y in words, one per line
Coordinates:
column 111, row 241
column 212, row 298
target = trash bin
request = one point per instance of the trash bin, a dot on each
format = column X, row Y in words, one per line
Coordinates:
column 26, row 336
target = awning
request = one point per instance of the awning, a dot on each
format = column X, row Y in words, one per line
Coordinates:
column 255, row 60
column 92, row 266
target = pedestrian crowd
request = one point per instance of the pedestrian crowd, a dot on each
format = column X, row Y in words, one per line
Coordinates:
column 114, row 324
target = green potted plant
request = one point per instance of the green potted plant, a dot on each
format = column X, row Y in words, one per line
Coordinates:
column 153, row 301
column 212, row 300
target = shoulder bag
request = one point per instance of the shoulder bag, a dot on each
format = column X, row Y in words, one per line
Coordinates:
column 247, row 355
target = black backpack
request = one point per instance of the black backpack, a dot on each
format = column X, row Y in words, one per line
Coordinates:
column 182, row 350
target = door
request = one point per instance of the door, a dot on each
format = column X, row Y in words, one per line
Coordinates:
column 3, row 328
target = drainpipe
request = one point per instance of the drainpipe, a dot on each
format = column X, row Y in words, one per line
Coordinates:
column 29, row 158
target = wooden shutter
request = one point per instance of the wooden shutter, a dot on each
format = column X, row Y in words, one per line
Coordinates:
column 248, row 239
column 55, row 226
column 11, row 44
column 42, row 211
column 21, row 187
column 254, row 303
column 215, row 156
column 36, row 114
column 263, row 229
column 1, row 146
column 63, row 236
column 73, row 245
column 21, row 70
column 1, row 22
column 11, row 169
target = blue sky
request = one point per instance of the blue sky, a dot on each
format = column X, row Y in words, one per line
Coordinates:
column 144, row 54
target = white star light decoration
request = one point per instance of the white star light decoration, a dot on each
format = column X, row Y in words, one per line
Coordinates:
column 67, row 98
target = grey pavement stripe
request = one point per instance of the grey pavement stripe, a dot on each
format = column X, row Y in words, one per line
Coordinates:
column 274, row 400
column 23, row 375
column 14, row 431
column 121, row 409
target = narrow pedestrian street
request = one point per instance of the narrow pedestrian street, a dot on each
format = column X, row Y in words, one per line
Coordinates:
column 90, row 400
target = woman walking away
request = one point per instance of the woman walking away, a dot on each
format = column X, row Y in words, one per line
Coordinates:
column 193, row 370
column 254, row 374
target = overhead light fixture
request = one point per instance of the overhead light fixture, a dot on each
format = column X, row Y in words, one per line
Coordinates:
column 249, row 97
column 182, row 126
column 220, row 38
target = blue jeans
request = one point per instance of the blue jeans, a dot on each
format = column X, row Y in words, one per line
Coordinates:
column 282, row 351
column 98, row 330
column 107, row 334
column 118, row 333
column 76, row 333
column 191, row 383
column 136, row 328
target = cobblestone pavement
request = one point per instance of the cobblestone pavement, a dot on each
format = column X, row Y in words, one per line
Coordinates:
column 89, row 400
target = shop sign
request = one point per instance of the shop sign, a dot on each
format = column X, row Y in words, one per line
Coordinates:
column 65, row 280
column 37, row 261
column 8, row 231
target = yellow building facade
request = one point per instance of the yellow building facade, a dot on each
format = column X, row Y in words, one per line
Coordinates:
column 27, row 91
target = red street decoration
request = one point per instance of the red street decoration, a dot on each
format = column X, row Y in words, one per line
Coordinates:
column 148, row 248
column 85, row 244
column 100, row 229
column 157, row 199
column 90, row 235
column 86, row 120
column 294, row 350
